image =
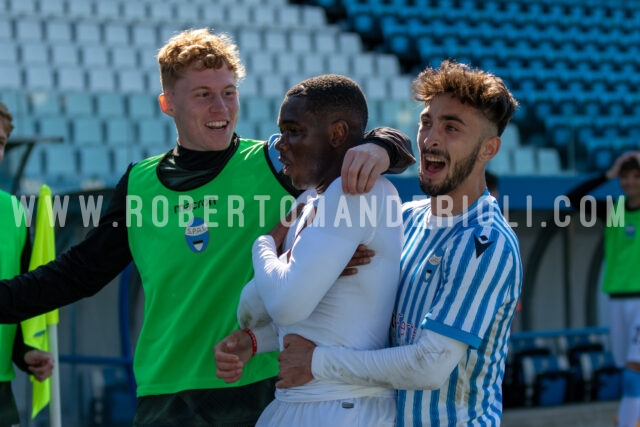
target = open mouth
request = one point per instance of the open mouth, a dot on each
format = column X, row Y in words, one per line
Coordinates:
column 285, row 164
column 433, row 164
column 221, row 124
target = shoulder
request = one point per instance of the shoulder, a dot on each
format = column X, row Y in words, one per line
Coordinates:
column 414, row 206
column 5, row 196
column 149, row 162
column 382, row 188
column 8, row 200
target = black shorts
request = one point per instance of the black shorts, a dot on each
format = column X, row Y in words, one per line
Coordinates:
column 223, row 407
column 8, row 409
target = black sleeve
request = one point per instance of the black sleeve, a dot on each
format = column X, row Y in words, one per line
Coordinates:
column 19, row 350
column 79, row 272
column 577, row 193
column 25, row 258
column 397, row 144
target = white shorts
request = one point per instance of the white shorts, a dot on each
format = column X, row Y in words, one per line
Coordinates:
column 624, row 329
column 359, row 412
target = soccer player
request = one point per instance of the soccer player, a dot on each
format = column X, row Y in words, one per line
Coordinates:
column 15, row 251
column 461, row 270
column 303, row 291
column 620, row 282
column 219, row 192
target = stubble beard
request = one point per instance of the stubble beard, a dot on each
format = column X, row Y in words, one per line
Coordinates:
column 456, row 176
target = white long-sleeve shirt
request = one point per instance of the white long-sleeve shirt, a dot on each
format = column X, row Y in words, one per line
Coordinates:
column 304, row 293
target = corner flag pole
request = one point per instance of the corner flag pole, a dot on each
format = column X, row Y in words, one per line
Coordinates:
column 54, row 404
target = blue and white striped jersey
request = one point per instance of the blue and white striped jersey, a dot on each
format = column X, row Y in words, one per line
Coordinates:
column 461, row 277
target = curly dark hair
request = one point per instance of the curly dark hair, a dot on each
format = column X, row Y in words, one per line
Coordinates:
column 480, row 89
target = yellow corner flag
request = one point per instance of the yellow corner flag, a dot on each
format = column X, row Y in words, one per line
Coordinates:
column 35, row 329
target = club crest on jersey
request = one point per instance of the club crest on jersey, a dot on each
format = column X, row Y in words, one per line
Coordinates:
column 197, row 235
column 630, row 230
column 432, row 263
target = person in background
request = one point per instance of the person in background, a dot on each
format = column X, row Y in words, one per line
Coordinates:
column 15, row 251
column 219, row 192
column 304, row 291
column 461, row 271
column 620, row 281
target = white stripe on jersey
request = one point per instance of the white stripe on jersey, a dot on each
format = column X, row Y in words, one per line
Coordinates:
column 460, row 278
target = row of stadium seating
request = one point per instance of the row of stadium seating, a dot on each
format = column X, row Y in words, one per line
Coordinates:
column 55, row 52
column 573, row 66
column 555, row 367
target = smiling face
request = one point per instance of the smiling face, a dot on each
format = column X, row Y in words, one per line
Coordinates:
column 455, row 140
column 305, row 146
column 204, row 104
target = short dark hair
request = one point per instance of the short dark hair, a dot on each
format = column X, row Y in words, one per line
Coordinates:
column 629, row 165
column 480, row 89
column 334, row 95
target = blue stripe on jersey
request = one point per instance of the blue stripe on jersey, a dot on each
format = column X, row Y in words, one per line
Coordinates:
column 453, row 333
column 463, row 289
column 401, row 402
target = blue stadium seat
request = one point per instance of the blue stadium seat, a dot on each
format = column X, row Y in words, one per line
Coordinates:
column 94, row 55
column 87, row 131
column 118, row 131
column 44, row 103
column 547, row 380
column 141, row 106
column 29, row 29
column 79, row 9
column 165, row 13
column 101, row 80
column 78, row 104
column 109, row 105
column 39, row 77
column 117, row 33
column 601, row 154
column 134, row 80
column 33, row 53
column 602, row 378
column 257, row 109
column 96, row 162
column 107, row 10
column 64, row 54
column 151, row 132
column 87, row 32
column 52, row 8
column 135, row 11
column 312, row 65
column 123, row 57
column 58, row 30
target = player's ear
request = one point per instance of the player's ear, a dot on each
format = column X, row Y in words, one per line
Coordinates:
column 489, row 148
column 338, row 133
column 165, row 104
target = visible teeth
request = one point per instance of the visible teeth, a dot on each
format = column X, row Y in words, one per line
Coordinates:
column 434, row 159
column 216, row 125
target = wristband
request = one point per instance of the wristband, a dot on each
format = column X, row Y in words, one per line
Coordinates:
column 254, row 341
